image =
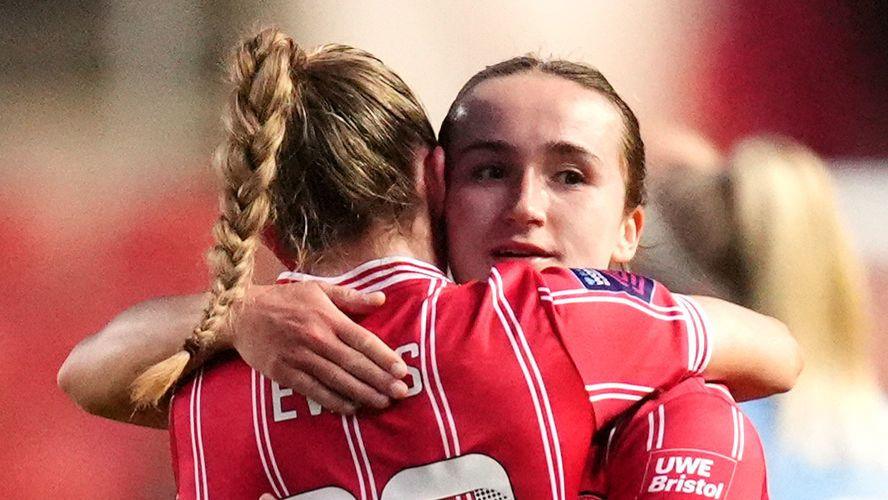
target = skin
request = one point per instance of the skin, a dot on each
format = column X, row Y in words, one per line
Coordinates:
column 537, row 174
column 539, row 179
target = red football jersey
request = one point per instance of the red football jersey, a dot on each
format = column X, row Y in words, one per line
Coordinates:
column 509, row 379
column 690, row 442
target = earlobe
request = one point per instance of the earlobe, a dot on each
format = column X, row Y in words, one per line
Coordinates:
column 630, row 236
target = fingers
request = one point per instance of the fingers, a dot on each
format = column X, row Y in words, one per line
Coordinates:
column 362, row 340
column 363, row 367
column 371, row 348
column 351, row 301
column 311, row 388
column 268, row 496
column 355, row 378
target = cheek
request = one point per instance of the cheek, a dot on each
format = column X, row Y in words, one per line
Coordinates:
column 470, row 210
column 463, row 224
column 589, row 233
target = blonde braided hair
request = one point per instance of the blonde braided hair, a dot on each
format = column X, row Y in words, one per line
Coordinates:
column 256, row 121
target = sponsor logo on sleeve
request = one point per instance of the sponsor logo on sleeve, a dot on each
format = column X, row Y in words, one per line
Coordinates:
column 694, row 472
column 616, row 281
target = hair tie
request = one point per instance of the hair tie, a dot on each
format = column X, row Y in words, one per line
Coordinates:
column 192, row 346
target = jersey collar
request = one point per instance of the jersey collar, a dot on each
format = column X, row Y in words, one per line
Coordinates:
column 374, row 275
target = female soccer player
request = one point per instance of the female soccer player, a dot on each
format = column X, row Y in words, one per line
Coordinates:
column 555, row 141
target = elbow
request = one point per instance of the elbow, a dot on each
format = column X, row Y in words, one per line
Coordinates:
column 795, row 362
column 76, row 379
column 71, row 379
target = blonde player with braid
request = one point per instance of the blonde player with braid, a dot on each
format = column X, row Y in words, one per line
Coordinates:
column 261, row 106
column 331, row 158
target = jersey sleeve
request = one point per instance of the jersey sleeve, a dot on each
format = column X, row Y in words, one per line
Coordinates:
column 692, row 441
column 626, row 334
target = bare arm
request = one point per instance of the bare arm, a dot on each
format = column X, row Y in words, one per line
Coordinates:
column 294, row 334
column 98, row 372
column 753, row 354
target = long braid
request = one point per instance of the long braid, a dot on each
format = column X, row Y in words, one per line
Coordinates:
column 256, row 124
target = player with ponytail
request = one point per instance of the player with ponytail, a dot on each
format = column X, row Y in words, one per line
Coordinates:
column 293, row 172
column 259, row 109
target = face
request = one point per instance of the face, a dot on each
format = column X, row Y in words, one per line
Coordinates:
column 536, row 174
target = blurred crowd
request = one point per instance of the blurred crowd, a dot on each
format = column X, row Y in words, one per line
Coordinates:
column 760, row 226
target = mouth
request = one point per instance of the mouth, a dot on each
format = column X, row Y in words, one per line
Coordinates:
column 518, row 250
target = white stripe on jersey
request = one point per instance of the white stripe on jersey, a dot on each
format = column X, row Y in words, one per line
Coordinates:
column 423, row 355
column 447, row 412
column 693, row 335
column 271, row 458
column 686, row 310
column 660, row 430
column 721, row 389
column 619, row 385
column 650, row 441
column 360, row 440
column 259, row 445
column 354, row 455
column 698, row 331
column 203, row 461
column 583, row 292
column 194, row 453
column 706, row 327
column 640, row 306
column 396, row 278
column 610, row 438
column 405, row 263
column 736, row 432
column 617, row 390
column 739, row 433
column 614, row 395
column 497, row 296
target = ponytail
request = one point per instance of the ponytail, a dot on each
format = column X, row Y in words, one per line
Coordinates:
column 256, row 120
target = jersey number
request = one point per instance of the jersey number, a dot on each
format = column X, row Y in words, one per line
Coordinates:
column 447, row 478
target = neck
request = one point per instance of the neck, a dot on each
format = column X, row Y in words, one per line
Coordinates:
column 378, row 242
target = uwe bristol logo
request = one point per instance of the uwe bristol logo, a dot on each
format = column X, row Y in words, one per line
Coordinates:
column 695, row 472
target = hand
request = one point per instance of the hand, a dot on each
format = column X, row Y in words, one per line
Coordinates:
column 298, row 335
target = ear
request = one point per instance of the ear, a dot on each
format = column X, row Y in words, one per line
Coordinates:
column 630, row 236
column 436, row 189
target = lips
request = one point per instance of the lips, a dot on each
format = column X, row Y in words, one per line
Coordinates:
column 520, row 250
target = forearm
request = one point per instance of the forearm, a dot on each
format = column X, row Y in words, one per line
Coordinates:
column 98, row 372
column 753, row 354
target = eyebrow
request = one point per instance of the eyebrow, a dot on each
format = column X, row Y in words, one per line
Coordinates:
column 570, row 149
column 495, row 146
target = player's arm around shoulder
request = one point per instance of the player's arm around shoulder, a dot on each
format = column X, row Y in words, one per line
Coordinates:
column 294, row 333
column 98, row 372
column 754, row 354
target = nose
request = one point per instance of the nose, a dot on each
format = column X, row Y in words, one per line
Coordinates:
column 530, row 201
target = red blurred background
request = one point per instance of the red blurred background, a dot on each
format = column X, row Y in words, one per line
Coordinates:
column 110, row 114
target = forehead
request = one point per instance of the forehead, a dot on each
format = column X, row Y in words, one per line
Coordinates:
column 533, row 108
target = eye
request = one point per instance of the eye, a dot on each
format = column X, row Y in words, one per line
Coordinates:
column 570, row 177
column 488, row 172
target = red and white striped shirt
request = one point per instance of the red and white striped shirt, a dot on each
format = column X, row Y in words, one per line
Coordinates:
column 509, row 381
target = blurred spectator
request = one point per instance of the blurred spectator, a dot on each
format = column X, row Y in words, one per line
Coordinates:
column 767, row 231
column 683, row 185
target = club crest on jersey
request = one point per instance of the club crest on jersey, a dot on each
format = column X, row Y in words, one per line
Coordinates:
column 616, row 281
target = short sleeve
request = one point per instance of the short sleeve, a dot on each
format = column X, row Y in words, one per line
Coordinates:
column 626, row 334
column 691, row 440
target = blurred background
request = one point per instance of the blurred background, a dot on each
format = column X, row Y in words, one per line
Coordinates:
column 110, row 113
